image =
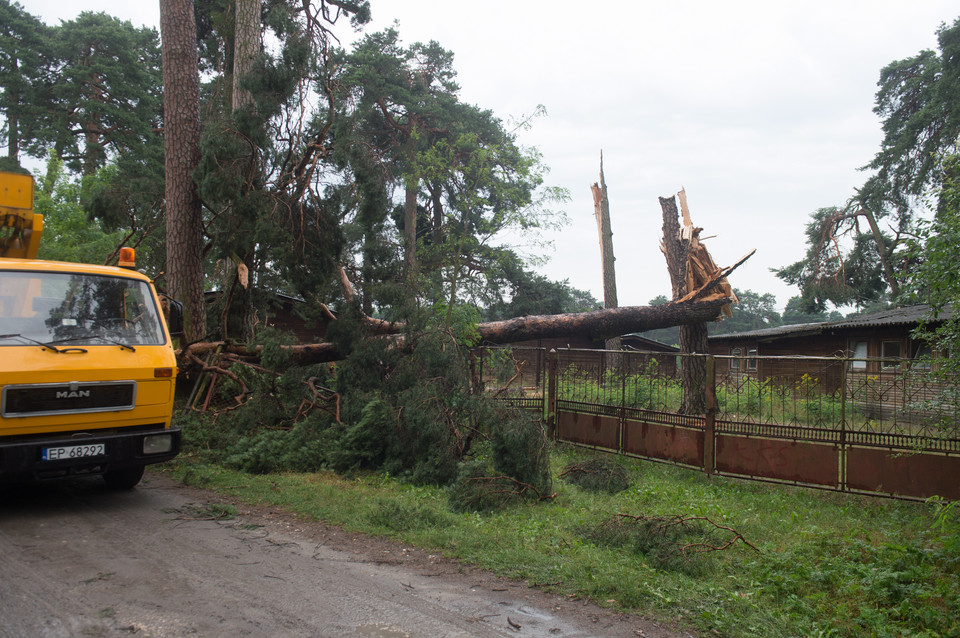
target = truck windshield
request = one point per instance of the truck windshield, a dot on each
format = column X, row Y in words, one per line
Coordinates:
column 77, row 309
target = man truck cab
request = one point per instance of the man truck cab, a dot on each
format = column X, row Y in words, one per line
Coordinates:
column 87, row 366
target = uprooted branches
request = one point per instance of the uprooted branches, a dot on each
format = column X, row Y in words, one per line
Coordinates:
column 663, row 525
column 503, row 485
column 235, row 368
column 671, row 542
column 597, row 475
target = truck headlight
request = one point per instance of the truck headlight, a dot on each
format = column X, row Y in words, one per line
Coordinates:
column 157, row 443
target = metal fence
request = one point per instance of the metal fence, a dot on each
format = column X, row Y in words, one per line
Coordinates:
column 879, row 427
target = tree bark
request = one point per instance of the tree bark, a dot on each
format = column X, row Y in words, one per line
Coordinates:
column 598, row 324
column 410, row 229
column 181, row 143
column 693, row 336
column 246, row 47
column 601, row 210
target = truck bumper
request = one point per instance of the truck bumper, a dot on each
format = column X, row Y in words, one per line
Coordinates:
column 24, row 460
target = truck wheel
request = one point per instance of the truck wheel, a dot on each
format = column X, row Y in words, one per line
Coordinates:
column 124, row 479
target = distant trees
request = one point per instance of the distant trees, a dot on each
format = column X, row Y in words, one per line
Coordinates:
column 85, row 90
column 24, row 61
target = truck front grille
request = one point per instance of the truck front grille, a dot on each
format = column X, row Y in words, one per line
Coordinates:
column 68, row 398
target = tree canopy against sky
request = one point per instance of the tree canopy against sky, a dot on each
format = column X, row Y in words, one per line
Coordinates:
column 460, row 175
column 856, row 253
column 935, row 278
column 314, row 160
column 86, row 90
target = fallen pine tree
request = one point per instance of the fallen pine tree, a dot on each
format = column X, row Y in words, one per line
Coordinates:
column 597, row 324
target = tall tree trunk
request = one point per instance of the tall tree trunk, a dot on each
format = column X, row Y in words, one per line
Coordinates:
column 601, row 210
column 410, row 229
column 693, row 337
column 246, row 48
column 181, row 145
column 13, row 129
column 437, row 204
column 883, row 252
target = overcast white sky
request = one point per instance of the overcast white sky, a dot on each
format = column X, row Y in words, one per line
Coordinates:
column 761, row 109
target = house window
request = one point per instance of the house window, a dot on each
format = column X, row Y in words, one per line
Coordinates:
column 890, row 354
column 921, row 355
column 858, row 355
column 752, row 359
column 735, row 363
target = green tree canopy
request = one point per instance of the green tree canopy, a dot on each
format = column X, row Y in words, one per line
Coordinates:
column 104, row 99
column 25, row 58
column 855, row 253
column 934, row 278
column 68, row 233
column 460, row 176
column 842, row 266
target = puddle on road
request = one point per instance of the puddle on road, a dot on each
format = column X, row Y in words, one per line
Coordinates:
column 381, row 631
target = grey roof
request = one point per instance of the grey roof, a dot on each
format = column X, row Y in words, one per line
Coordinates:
column 639, row 338
column 909, row 316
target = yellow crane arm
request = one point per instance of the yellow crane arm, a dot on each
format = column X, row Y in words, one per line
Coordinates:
column 20, row 227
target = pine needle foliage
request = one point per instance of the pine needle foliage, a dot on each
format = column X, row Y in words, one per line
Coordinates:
column 663, row 542
column 599, row 474
column 403, row 410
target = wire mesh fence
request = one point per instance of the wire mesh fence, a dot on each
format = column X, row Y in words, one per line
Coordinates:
column 889, row 426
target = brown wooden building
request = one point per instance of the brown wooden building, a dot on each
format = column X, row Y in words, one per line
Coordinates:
column 867, row 345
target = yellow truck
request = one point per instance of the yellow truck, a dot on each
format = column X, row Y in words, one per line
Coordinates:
column 87, row 367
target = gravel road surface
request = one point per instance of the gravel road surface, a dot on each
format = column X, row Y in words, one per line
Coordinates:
column 77, row 559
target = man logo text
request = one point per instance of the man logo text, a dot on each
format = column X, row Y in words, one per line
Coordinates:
column 77, row 394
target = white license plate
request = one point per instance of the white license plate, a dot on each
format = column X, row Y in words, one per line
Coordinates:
column 73, row 451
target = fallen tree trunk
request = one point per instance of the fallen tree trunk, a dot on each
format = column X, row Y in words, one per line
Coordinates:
column 601, row 324
column 598, row 325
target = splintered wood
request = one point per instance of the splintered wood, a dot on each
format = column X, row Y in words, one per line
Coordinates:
column 704, row 280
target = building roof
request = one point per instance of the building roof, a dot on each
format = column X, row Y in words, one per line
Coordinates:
column 639, row 342
column 909, row 316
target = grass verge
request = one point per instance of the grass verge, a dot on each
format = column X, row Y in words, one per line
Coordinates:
column 812, row 564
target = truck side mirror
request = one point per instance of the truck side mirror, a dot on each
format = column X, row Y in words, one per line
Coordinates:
column 173, row 313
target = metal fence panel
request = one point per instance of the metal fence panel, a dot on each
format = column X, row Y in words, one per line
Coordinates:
column 595, row 430
column 777, row 459
column 664, row 442
column 868, row 426
column 895, row 473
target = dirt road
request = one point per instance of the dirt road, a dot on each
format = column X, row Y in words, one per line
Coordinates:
column 79, row 560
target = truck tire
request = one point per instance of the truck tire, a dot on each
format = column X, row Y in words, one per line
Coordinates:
column 124, row 479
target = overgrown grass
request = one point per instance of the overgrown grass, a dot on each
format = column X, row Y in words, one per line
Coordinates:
column 800, row 402
column 828, row 564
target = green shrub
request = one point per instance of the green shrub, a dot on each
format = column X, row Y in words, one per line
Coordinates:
column 300, row 449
